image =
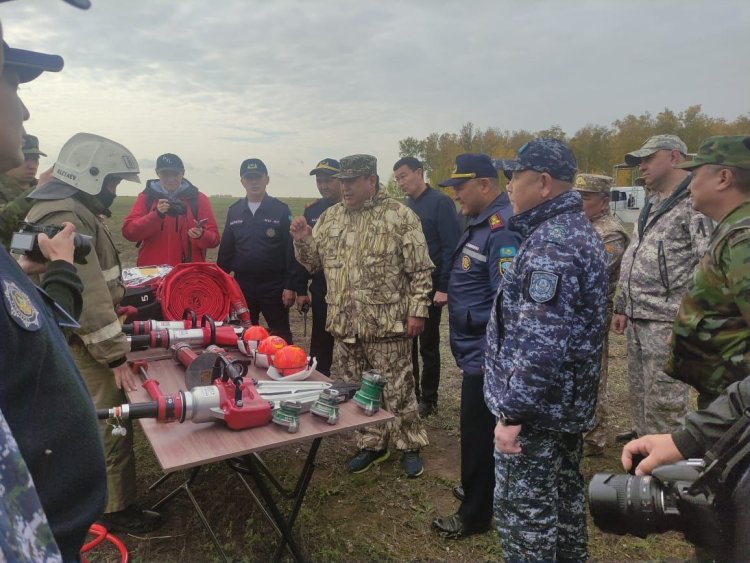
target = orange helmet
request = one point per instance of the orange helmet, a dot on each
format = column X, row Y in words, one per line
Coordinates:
column 290, row 360
column 270, row 345
column 254, row 333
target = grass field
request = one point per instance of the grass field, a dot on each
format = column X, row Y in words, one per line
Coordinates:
column 379, row 515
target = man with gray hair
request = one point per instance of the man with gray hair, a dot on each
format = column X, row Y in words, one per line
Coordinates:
column 668, row 240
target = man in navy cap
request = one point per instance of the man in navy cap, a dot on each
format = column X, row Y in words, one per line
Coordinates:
column 437, row 214
column 544, row 345
column 321, row 341
column 479, row 261
column 257, row 247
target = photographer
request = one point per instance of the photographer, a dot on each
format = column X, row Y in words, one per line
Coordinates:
column 171, row 221
column 699, row 434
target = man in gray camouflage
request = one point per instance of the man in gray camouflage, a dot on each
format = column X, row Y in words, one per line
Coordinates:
column 595, row 196
column 668, row 240
column 375, row 259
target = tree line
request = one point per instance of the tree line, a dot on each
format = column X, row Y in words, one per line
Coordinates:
column 598, row 148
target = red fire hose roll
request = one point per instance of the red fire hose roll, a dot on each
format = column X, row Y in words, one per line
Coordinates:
column 203, row 287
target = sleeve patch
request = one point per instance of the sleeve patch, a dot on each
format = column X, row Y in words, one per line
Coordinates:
column 543, row 287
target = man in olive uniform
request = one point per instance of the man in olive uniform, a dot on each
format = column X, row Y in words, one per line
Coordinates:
column 711, row 335
column 15, row 185
column 595, row 195
column 375, row 259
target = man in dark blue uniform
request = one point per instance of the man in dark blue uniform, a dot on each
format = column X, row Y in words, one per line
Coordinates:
column 544, row 346
column 257, row 247
column 484, row 252
column 437, row 213
column 321, row 341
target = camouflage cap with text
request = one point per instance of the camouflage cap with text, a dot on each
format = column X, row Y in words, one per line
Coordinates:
column 653, row 144
column 728, row 150
column 357, row 165
column 595, row 183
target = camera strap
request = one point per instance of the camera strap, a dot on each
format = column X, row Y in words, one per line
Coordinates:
column 732, row 449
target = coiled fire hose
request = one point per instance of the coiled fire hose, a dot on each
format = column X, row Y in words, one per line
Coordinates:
column 101, row 534
column 203, row 287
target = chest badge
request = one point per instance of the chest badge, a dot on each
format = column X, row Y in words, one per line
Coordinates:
column 543, row 286
column 20, row 307
column 465, row 262
column 270, row 233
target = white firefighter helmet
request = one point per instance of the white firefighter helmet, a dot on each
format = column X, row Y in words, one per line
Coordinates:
column 86, row 159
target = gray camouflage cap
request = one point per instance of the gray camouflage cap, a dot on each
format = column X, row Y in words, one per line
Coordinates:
column 357, row 165
column 595, row 183
column 653, row 144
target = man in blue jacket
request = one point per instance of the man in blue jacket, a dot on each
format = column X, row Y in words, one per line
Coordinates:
column 257, row 247
column 544, row 345
column 479, row 261
column 439, row 220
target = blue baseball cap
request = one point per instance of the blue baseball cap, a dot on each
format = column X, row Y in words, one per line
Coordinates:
column 469, row 166
column 326, row 167
column 30, row 64
column 252, row 166
column 543, row 155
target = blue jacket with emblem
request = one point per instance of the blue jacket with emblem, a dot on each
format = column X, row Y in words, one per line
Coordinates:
column 545, row 335
column 258, row 247
column 484, row 252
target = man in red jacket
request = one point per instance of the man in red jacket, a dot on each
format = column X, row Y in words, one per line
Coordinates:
column 171, row 221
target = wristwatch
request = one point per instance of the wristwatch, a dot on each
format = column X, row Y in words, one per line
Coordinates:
column 505, row 421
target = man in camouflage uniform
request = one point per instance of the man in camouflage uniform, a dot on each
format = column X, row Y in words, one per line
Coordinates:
column 668, row 240
column 711, row 340
column 544, row 348
column 595, row 195
column 375, row 259
column 15, row 185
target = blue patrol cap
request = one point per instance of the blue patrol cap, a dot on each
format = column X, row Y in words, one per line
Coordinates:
column 252, row 166
column 543, row 155
column 326, row 167
column 469, row 166
column 30, row 64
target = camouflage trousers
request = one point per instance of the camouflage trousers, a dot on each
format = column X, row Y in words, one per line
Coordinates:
column 599, row 434
column 392, row 359
column 539, row 503
column 118, row 450
column 658, row 403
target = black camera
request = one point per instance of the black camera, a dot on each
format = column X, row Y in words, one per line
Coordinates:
column 671, row 498
column 176, row 208
column 25, row 242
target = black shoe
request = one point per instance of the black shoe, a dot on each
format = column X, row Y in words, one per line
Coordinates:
column 624, row 437
column 131, row 520
column 411, row 463
column 426, row 409
column 458, row 492
column 453, row 527
column 365, row 459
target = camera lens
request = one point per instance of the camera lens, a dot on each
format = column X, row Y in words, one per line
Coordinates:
column 627, row 504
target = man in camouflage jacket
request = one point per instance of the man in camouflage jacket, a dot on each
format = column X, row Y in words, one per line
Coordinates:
column 668, row 240
column 711, row 340
column 544, row 348
column 595, row 196
column 375, row 259
column 15, row 185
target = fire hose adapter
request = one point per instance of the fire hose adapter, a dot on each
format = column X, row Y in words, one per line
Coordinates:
column 25, row 242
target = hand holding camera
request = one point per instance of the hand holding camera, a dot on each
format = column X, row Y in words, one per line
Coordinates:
column 42, row 243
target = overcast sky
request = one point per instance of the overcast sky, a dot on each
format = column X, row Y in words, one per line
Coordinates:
column 291, row 82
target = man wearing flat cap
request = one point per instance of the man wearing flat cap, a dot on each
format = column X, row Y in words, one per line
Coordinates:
column 668, row 240
column 595, row 196
column 711, row 334
column 321, row 341
column 479, row 261
column 544, row 348
column 375, row 259
column 15, row 185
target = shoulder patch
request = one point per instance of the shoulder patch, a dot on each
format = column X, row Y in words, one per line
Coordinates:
column 20, row 307
column 543, row 286
column 503, row 264
column 496, row 222
column 507, row 251
column 558, row 234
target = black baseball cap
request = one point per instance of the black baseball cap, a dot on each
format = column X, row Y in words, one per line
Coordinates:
column 30, row 64
column 252, row 166
column 169, row 161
